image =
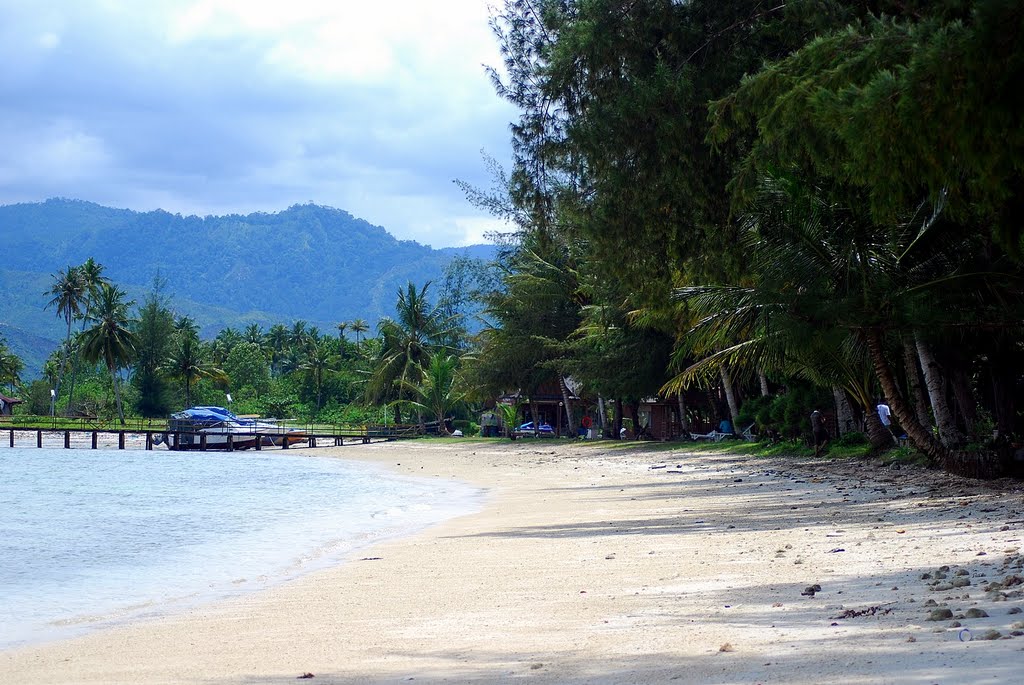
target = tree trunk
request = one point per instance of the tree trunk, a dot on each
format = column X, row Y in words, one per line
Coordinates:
column 398, row 415
column 920, row 436
column 569, row 423
column 948, row 433
column 684, row 420
column 601, row 419
column 921, row 405
column 533, row 418
column 764, row 383
column 879, row 436
column 964, row 399
column 730, row 397
column 844, row 412
column 617, row 428
column 117, row 393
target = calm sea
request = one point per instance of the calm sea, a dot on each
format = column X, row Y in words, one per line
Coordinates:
column 91, row 538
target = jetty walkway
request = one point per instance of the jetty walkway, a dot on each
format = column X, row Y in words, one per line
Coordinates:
column 152, row 434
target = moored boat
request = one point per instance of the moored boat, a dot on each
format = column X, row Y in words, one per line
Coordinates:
column 216, row 428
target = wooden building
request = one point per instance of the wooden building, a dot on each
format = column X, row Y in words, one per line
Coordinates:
column 7, row 404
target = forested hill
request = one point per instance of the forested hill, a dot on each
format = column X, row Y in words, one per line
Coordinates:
column 307, row 262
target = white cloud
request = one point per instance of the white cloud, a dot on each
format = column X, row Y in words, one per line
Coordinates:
column 214, row 106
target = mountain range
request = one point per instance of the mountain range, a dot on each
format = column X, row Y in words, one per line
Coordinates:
column 308, row 262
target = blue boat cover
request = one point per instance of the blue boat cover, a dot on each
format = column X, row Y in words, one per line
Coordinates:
column 207, row 415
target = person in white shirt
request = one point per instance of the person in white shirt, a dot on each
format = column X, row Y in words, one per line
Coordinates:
column 883, row 414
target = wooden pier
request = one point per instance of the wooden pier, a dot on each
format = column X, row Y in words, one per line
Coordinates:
column 180, row 441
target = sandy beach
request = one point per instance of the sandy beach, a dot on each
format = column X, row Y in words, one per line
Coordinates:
column 601, row 564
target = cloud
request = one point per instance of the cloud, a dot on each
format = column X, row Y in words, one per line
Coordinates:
column 216, row 106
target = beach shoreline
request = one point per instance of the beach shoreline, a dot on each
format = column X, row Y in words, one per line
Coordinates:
column 603, row 563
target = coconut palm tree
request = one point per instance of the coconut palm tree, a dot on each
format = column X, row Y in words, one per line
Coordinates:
column 189, row 362
column 358, row 327
column 110, row 338
column 341, row 330
column 91, row 272
column 69, row 295
column 277, row 340
column 438, row 392
column 407, row 343
column 11, row 366
column 318, row 362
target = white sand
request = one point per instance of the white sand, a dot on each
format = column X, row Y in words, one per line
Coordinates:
column 586, row 565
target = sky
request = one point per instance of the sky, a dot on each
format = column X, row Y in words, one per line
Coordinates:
column 238, row 106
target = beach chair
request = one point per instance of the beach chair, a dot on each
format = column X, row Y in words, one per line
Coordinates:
column 714, row 436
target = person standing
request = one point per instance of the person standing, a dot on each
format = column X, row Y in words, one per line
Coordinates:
column 818, row 432
column 884, row 415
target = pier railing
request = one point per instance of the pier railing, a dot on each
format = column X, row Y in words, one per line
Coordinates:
column 270, row 433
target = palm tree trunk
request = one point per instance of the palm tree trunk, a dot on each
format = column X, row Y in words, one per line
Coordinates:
column 921, row 405
column 569, row 424
column 684, row 420
column 117, row 393
column 63, row 363
column 964, row 398
column 878, row 435
column 919, row 436
column 617, row 428
column 764, row 383
column 601, row 418
column 948, row 433
column 730, row 396
column 844, row 412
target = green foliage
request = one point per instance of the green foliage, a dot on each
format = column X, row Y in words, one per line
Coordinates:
column 851, row 439
column 247, row 367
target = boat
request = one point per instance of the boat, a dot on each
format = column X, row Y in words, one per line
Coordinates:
column 215, row 427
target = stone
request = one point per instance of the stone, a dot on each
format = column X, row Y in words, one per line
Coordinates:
column 942, row 587
column 990, row 634
column 939, row 615
column 1014, row 610
column 931, row 603
column 961, row 582
column 976, row 613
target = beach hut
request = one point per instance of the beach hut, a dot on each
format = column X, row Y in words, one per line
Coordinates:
column 7, row 404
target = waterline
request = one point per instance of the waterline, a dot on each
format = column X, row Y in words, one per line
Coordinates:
column 91, row 538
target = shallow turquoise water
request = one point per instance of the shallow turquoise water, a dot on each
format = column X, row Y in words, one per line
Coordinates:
column 89, row 538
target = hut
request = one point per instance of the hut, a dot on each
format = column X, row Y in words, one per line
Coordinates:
column 548, row 403
column 7, row 404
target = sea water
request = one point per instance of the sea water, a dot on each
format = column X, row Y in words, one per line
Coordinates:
column 90, row 538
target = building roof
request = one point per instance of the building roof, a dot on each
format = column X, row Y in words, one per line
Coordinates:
column 10, row 400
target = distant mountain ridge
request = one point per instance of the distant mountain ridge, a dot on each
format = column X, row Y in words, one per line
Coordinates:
column 308, row 262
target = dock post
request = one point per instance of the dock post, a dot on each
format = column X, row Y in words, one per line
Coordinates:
column 202, row 442
column 12, row 437
column 312, row 441
column 120, row 440
column 176, row 440
column 231, row 442
column 259, row 442
column 94, row 439
column 149, row 441
column 67, row 439
column 39, row 438
column 284, row 442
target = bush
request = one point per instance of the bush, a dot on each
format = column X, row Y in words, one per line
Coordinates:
column 852, row 439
